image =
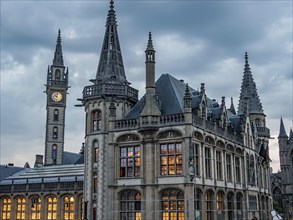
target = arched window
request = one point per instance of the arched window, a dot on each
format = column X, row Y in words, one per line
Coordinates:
column 96, row 150
column 57, row 74
column 35, row 206
column 130, row 203
column 209, row 198
column 54, row 151
column 239, row 205
column 230, row 204
column 220, row 205
column 56, row 115
column 20, row 208
column 198, row 204
column 172, row 202
column 51, row 208
column 96, row 120
column 6, row 208
column 55, row 132
column 68, row 207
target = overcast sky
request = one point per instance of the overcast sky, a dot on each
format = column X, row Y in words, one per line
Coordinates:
column 198, row 41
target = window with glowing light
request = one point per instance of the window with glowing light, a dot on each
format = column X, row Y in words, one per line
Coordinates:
column 209, row 198
column 68, row 207
column 130, row 161
column 35, row 208
column 171, row 158
column 51, row 208
column 172, row 205
column 20, row 208
column 130, row 205
column 5, row 208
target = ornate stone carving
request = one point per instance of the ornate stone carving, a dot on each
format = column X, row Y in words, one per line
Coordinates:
column 169, row 134
column 127, row 138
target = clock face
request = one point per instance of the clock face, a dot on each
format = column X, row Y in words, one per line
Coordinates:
column 56, row 96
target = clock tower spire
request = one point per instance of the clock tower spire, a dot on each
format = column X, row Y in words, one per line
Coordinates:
column 56, row 90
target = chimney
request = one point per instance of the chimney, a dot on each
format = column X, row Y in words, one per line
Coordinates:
column 39, row 161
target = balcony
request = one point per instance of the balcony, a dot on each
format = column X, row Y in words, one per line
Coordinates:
column 263, row 132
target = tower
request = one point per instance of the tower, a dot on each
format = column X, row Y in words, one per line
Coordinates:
column 56, row 91
column 110, row 97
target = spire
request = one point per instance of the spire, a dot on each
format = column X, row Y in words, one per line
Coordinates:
column 282, row 133
column 150, row 45
column 232, row 108
column 187, row 97
column 248, row 94
column 111, row 68
column 58, row 56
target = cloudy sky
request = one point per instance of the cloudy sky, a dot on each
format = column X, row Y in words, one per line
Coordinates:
column 198, row 41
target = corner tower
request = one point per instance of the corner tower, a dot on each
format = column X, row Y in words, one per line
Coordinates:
column 109, row 97
column 56, row 91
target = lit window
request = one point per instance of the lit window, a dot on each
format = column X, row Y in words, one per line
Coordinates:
column 35, row 208
column 220, row 201
column 96, row 120
column 5, row 208
column 68, row 207
column 51, row 208
column 208, row 165
column 56, row 115
column 20, row 208
column 229, row 167
column 209, row 205
column 172, row 205
column 55, row 132
column 130, row 205
column 219, row 165
column 130, row 161
column 171, row 159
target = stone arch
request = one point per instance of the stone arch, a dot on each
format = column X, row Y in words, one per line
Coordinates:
column 169, row 134
column 210, row 140
column 220, row 144
column 198, row 135
column 230, row 147
column 128, row 137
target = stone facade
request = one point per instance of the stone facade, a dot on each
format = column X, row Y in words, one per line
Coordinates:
column 175, row 153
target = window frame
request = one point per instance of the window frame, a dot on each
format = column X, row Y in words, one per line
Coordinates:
column 171, row 158
column 129, row 161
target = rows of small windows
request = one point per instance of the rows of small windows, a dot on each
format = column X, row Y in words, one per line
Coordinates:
column 32, row 209
column 207, row 205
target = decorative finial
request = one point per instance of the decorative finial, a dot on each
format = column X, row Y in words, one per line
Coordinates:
column 246, row 58
column 150, row 42
column 111, row 4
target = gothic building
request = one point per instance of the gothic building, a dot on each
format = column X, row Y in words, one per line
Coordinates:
column 282, row 182
column 175, row 153
column 53, row 189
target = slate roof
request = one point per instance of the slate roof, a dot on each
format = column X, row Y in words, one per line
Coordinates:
column 58, row 173
column 71, row 158
column 6, row 171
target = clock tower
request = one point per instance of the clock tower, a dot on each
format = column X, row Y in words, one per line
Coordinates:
column 56, row 90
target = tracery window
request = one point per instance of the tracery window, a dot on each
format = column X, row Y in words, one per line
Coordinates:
column 6, row 208
column 229, row 167
column 130, row 205
column 51, row 208
column 219, row 165
column 56, row 115
column 198, row 204
column 35, row 205
column 209, row 205
column 230, row 204
column 171, row 158
column 96, row 120
column 237, row 170
column 68, row 207
column 208, row 162
column 20, row 208
column 239, row 205
column 130, row 161
column 172, row 202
